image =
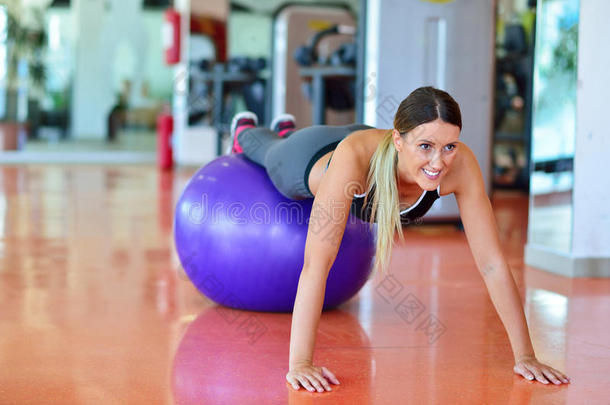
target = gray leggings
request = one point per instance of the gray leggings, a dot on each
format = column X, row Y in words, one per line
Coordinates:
column 289, row 160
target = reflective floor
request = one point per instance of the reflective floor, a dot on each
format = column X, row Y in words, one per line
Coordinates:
column 94, row 309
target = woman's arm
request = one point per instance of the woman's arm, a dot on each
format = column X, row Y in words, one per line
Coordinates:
column 482, row 234
column 329, row 215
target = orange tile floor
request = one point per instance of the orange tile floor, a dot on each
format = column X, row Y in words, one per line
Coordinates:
column 94, row 309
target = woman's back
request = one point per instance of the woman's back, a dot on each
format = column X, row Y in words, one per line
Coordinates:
column 362, row 144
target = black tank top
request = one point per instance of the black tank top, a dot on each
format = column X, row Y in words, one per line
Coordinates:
column 407, row 216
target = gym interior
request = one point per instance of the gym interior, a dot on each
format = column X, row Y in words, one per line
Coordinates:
column 110, row 110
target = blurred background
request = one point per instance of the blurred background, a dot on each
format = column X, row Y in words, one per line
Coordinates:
column 80, row 76
column 145, row 81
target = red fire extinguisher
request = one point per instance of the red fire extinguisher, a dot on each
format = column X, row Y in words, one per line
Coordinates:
column 165, row 128
column 171, row 36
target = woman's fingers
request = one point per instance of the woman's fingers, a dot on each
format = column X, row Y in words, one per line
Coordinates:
column 541, row 372
column 312, row 379
column 524, row 372
column 322, row 380
column 305, row 383
column 564, row 378
column 556, row 375
column 548, row 373
column 298, row 379
column 561, row 376
column 315, row 382
column 293, row 381
column 327, row 373
column 538, row 375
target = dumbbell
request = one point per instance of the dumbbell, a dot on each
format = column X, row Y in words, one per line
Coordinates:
column 306, row 55
column 346, row 54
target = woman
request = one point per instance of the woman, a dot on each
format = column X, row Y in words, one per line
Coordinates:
column 391, row 177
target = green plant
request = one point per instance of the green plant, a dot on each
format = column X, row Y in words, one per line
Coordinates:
column 25, row 46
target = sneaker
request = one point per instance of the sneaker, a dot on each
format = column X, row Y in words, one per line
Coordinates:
column 283, row 124
column 241, row 121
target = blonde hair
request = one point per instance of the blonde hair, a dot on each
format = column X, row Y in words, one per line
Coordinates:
column 382, row 176
column 423, row 105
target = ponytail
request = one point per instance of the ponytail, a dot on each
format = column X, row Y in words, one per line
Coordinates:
column 385, row 205
column 423, row 105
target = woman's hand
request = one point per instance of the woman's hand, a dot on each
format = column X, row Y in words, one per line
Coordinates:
column 531, row 368
column 311, row 377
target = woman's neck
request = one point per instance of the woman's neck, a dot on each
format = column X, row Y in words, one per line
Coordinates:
column 408, row 190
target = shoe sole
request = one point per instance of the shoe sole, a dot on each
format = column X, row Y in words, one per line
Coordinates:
column 235, row 120
column 280, row 118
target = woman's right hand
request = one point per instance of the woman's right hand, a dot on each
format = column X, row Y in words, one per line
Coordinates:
column 311, row 378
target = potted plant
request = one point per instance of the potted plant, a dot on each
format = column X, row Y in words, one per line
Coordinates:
column 24, row 74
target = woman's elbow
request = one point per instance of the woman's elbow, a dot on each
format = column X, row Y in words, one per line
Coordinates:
column 317, row 266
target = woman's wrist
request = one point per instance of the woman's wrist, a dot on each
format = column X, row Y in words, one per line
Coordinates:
column 525, row 356
column 296, row 363
column 524, row 350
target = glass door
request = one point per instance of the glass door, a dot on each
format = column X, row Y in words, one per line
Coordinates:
column 554, row 124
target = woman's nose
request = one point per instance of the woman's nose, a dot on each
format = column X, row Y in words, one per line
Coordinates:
column 436, row 161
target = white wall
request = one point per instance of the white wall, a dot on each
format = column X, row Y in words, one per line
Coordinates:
column 114, row 40
column 591, row 228
column 60, row 50
column 158, row 75
column 90, row 94
column 249, row 34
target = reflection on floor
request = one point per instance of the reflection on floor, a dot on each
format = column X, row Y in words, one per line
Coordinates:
column 551, row 221
column 95, row 310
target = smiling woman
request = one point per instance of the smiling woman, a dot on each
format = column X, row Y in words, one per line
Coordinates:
column 415, row 154
column 373, row 173
column 392, row 176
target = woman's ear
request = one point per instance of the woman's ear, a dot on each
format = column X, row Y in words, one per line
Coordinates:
column 397, row 139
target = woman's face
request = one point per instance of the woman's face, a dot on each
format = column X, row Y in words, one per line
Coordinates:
column 426, row 153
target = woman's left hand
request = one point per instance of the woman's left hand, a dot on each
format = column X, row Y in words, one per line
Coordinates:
column 531, row 368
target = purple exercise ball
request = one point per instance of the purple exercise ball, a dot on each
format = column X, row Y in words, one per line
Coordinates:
column 242, row 243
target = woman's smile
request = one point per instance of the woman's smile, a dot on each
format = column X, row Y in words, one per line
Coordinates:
column 432, row 174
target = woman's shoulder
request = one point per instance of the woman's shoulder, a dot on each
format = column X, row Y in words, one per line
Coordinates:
column 354, row 154
column 364, row 142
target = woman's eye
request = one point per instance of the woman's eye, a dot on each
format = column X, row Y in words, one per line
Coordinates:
column 425, row 146
column 450, row 147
